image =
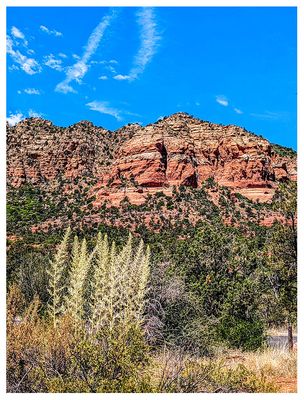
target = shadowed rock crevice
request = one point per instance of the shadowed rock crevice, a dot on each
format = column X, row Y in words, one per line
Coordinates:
column 191, row 181
column 164, row 155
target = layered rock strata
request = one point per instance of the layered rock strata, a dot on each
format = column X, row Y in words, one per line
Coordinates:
column 135, row 161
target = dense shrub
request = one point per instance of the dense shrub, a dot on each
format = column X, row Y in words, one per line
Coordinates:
column 239, row 333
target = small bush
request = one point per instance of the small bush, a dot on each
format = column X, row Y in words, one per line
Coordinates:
column 240, row 379
column 239, row 333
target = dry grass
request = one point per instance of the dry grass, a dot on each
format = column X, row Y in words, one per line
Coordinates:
column 280, row 331
column 273, row 362
column 267, row 370
column 277, row 365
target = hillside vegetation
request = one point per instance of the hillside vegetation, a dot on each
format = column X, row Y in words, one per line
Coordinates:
column 116, row 313
column 149, row 259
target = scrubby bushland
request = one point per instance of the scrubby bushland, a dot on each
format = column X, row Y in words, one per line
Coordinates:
column 209, row 285
column 89, row 340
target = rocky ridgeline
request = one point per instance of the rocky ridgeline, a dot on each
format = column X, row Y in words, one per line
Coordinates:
column 135, row 161
column 38, row 151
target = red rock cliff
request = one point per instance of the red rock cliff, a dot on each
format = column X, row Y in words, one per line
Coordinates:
column 181, row 150
column 134, row 161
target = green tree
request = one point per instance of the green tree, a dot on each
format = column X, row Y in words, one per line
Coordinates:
column 281, row 256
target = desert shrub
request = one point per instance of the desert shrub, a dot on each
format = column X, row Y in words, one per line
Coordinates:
column 175, row 315
column 199, row 336
column 239, row 379
column 44, row 358
column 240, row 324
column 23, row 336
column 176, row 372
column 239, row 333
column 110, row 361
column 32, row 276
column 74, row 350
column 113, row 361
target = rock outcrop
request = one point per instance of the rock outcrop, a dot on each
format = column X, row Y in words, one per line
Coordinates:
column 135, row 161
column 183, row 151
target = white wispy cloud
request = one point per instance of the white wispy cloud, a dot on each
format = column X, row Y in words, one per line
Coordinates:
column 222, row 100
column 238, row 111
column 103, row 77
column 53, row 62
column 13, row 119
column 77, row 71
column 64, row 87
column 111, row 69
column 32, row 91
column 17, row 33
column 104, row 108
column 13, row 67
column 34, row 114
column 53, row 32
column 27, row 64
column 269, row 115
column 149, row 40
column 18, row 38
column 62, row 55
column 121, row 77
column 18, row 116
column 107, row 62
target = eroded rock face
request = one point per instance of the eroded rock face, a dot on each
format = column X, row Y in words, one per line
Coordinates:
column 38, row 151
column 181, row 150
column 135, row 161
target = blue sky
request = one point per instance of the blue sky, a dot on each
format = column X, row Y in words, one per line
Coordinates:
column 113, row 66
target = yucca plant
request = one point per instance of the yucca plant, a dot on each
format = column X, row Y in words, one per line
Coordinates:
column 120, row 280
column 99, row 284
column 117, row 287
column 74, row 302
column 56, row 282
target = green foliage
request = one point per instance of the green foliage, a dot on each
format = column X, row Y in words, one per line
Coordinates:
column 25, row 206
column 242, row 334
column 240, row 379
column 240, row 324
column 280, row 255
column 31, row 276
column 284, row 151
column 210, row 284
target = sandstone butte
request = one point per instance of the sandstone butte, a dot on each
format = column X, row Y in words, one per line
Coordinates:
column 134, row 161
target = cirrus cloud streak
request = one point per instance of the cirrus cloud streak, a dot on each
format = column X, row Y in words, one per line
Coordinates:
column 77, row 71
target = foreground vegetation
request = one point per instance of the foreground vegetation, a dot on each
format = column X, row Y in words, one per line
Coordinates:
column 108, row 313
